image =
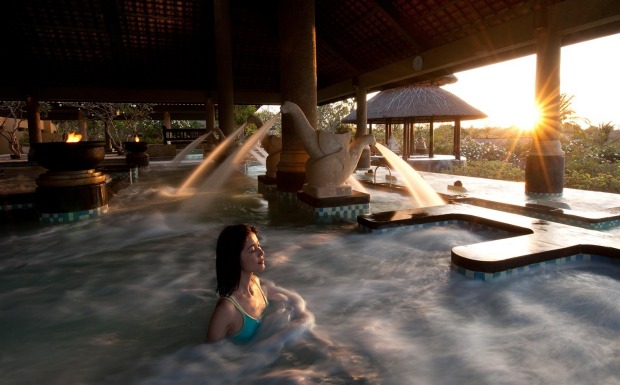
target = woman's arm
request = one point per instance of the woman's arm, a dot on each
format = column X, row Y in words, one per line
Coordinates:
column 294, row 300
column 221, row 321
column 302, row 320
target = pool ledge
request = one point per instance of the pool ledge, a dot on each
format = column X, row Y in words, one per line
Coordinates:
column 530, row 242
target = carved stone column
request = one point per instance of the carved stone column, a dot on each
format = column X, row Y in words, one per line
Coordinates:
column 298, row 85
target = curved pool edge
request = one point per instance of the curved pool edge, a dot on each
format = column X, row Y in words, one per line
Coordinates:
column 529, row 243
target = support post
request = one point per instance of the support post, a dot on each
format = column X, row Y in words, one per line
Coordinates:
column 456, row 150
column 362, row 125
column 298, row 84
column 431, row 139
column 34, row 122
column 223, row 51
column 544, row 165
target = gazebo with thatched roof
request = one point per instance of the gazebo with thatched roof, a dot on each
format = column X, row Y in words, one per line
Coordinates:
column 419, row 103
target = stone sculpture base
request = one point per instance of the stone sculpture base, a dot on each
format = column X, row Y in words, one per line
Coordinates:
column 328, row 192
column 335, row 208
column 138, row 159
column 268, row 187
column 544, row 175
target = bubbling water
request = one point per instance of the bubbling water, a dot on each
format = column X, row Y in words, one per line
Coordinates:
column 125, row 299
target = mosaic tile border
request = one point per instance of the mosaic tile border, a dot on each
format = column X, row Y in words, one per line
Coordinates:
column 478, row 275
column 16, row 206
column 53, row 218
column 419, row 226
column 290, row 197
column 543, row 195
column 268, row 189
column 349, row 212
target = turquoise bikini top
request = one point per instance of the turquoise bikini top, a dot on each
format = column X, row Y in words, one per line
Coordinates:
column 250, row 324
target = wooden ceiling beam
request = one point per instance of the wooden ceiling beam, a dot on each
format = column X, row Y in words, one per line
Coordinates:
column 503, row 42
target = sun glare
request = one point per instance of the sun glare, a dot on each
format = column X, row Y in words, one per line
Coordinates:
column 529, row 119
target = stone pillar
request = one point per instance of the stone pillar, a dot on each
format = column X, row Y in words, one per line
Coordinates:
column 211, row 141
column 82, row 125
column 544, row 165
column 406, row 141
column 223, row 52
column 298, row 85
column 34, row 122
column 431, row 139
column 362, row 125
column 167, row 120
column 456, row 143
column 210, row 115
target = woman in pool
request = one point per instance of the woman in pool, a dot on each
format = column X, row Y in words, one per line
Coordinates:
column 243, row 299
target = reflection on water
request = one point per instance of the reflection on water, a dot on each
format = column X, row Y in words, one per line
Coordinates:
column 125, row 299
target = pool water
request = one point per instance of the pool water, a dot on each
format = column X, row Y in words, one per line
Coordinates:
column 125, row 299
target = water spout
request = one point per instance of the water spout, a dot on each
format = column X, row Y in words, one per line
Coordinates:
column 190, row 147
column 419, row 190
column 209, row 159
column 333, row 157
column 226, row 167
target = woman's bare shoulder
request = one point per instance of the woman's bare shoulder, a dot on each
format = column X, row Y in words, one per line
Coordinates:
column 224, row 307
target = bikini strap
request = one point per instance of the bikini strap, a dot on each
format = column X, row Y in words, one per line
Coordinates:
column 261, row 290
column 236, row 304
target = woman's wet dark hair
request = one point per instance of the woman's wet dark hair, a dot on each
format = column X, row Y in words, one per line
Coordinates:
column 230, row 243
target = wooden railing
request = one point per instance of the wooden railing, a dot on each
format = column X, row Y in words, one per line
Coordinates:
column 182, row 135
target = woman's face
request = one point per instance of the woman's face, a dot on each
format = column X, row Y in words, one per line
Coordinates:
column 252, row 256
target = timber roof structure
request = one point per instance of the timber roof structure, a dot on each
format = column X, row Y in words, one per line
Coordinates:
column 421, row 103
column 157, row 51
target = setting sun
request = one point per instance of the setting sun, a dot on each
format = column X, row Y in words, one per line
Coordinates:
column 529, row 119
column 505, row 90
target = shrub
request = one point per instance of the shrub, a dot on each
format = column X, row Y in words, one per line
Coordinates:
column 493, row 169
column 476, row 151
column 605, row 182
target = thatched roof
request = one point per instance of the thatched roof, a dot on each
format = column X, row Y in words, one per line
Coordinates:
column 417, row 104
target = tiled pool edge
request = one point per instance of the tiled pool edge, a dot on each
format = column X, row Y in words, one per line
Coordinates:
column 559, row 216
column 534, row 267
column 528, row 245
column 419, row 226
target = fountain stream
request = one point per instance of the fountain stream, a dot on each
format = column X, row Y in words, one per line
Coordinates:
column 210, row 159
column 421, row 192
column 189, row 148
column 222, row 171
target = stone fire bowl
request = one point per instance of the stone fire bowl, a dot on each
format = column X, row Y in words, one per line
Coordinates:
column 69, row 156
column 136, row 146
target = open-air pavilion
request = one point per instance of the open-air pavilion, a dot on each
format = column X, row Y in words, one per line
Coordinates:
column 220, row 53
column 126, row 298
column 420, row 103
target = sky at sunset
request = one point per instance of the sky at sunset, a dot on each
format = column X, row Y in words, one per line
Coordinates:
column 505, row 91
